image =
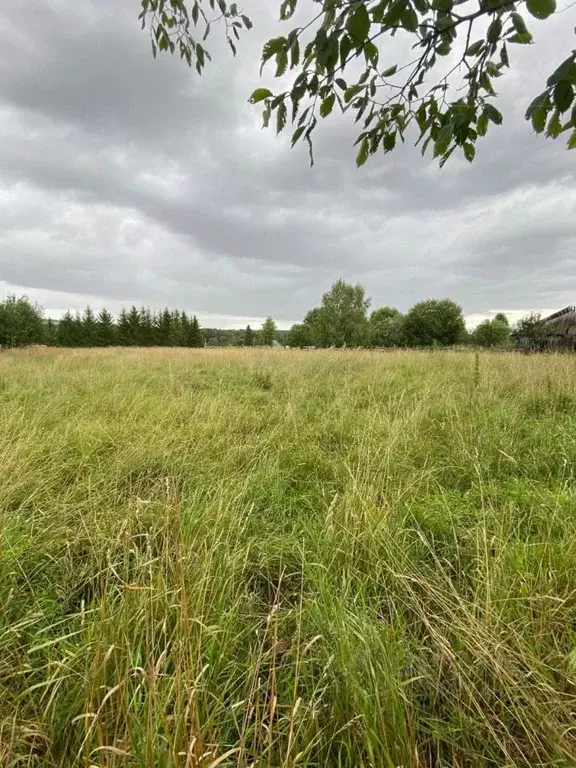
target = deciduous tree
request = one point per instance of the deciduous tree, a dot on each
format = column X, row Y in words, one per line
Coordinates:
column 268, row 332
column 339, row 58
column 432, row 322
column 386, row 327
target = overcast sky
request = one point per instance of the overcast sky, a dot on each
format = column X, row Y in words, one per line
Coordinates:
column 127, row 180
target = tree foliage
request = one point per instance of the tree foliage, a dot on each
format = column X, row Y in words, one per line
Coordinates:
column 21, row 322
column 434, row 322
column 337, row 59
column 386, row 327
column 268, row 332
column 340, row 320
column 529, row 331
column 492, row 333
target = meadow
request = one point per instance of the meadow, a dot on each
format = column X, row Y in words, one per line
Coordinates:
column 283, row 558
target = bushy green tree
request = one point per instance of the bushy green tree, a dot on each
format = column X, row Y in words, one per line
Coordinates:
column 491, row 333
column 300, row 335
column 21, row 322
column 340, row 320
column 502, row 318
column 434, row 322
column 268, row 332
column 341, row 60
column 529, row 331
column 386, row 327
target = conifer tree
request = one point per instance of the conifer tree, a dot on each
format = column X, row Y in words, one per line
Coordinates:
column 89, row 328
column 248, row 337
column 105, row 330
column 195, row 335
column 123, row 328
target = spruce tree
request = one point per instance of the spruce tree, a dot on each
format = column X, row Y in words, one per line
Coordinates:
column 89, row 328
column 123, row 329
column 50, row 333
column 65, row 332
column 195, row 335
column 164, row 329
column 133, row 327
column 78, row 331
column 105, row 330
column 248, row 337
column 146, row 327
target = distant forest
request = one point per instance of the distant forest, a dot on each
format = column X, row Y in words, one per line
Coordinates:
column 342, row 319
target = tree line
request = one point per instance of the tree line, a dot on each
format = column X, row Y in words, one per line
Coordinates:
column 342, row 319
column 22, row 323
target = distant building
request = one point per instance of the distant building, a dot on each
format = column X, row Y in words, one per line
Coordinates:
column 561, row 329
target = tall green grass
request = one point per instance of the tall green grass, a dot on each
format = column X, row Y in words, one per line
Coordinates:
column 277, row 559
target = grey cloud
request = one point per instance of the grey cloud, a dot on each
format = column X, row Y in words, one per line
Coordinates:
column 137, row 181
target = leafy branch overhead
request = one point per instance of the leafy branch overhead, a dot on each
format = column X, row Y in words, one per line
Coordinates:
column 445, row 88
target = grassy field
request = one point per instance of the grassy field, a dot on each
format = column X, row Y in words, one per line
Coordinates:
column 277, row 559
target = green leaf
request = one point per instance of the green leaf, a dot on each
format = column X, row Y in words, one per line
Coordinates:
column 259, row 95
column 327, row 105
column 504, row 56
column 341, row 83
column 349, row 93
column 389, row 142
column 441, row 5
column 519, row 24
column 358, row 25
column 538, row 118
column 565, row 71
column 297, row 133
column 563, row 95
column 281, row 64
column 390, row 71
column 475, row 48
column 444, row 48
column 443, row 140
column 494, row 31
column 247, row 23
column 280, row 116
column 371, row 53
column 345, row 48
column 469, row 151
column 294, row 53
column 482, row 124
column 572, row 141
column 409, row 20
column 272, row 48
column 519, row 39
column 493, row 114
column 539, row 101
column 554, row 125
column 362, row 155
column 541, row 9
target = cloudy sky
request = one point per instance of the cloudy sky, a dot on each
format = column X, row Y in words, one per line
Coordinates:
column 127, row 180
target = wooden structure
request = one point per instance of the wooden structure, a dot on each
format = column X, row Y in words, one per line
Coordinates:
column 561, row 329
